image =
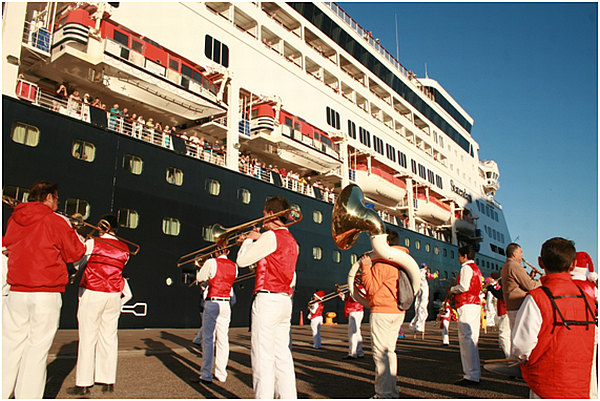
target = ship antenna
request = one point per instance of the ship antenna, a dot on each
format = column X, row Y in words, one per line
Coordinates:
column 426, row 76
column 397, row 49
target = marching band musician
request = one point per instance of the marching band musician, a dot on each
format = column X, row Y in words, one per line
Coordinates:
column 422, row 302
column 39, row 243
column 315, row 315
column 275, row 251
column 468, row 307
column 102, row 292
column 555, row 329
column 381, row 281
column 354, row 311
column 220, row 272
column 445, row 316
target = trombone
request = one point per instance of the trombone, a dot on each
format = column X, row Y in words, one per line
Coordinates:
column 339, row 289
column 77, row 222
column 225, row 238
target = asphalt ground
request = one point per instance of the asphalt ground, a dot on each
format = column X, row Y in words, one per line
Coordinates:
column 164, row 363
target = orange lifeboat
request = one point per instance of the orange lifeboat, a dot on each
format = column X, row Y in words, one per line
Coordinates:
column 380, row 185
column 432, row 210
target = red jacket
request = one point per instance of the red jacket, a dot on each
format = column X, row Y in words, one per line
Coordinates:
column 275, row 272
column 220, row 285
column 560, row 364
column 352, row 306
column 39, row 244
column 471, row 296
column 104, row 269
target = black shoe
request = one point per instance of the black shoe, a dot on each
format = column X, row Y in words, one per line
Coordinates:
column 466, row 382
column 77, row 390
column 349, row 357
column 108, row 388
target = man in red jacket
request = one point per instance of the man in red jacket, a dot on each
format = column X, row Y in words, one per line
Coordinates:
column 101, row 287
column 39, row 243
column 554, row 329
column 468, row 307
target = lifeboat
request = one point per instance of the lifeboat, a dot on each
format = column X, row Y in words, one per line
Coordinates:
column 433, row 210
column 465, row 223
column 380, row 185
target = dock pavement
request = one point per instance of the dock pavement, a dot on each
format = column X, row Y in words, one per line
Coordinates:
column 165, row 364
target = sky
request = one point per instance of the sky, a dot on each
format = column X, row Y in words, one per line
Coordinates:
column 527, row 73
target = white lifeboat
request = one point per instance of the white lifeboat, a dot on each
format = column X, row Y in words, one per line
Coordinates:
column 379, row 185
column 465, row 223
column 432, row 210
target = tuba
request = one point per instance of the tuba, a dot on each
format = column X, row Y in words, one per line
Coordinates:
column 349, row 218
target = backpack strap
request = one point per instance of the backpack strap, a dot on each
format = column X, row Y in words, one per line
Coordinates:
column 567, row 322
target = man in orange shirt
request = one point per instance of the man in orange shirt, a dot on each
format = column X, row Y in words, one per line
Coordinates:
column 380, row 279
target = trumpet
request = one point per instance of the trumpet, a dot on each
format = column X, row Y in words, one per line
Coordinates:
column 225, row 238
column 339, row 289
column 77, row 222
column 535, row 269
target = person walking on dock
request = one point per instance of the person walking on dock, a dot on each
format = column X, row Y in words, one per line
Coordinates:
column 316, row 317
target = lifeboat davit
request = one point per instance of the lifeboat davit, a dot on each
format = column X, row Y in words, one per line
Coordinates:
column 432, row 210
column 376, row 185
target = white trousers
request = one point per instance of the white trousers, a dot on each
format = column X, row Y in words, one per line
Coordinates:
column 315, row 326
column 29, row 324
column 215, row 333
column 355, row 340
column 384, row 334
column 421, row 312
column 469, row 323
column 98, row 317
column 490, row 308
column 445, row 327
column 272, row 364
column 504, row 334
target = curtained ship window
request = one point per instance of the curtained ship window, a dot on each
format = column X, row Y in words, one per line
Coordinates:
column 317, row 253
column 407, row 242
column 83, row 150
column 317, row 216
column 436, row 250
column 174, row 176
column 207, row 234
column 213, row 186
column 25, row 134
column 133, row 164
column 171, row 226
column 244, row 195
column 337, row 256
column 427, row 248
column 353, row 258
column 80, row 206
column 19, row 193
column 418, row 244
column 128, row 218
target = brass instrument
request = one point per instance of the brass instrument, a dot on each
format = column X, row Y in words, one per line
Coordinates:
column 77, row 222
column 535, row 269
column 349, row 218
column 244, row 277
column 225, row 238
column 339, row 289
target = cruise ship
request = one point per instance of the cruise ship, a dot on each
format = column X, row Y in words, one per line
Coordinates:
column 179, row 116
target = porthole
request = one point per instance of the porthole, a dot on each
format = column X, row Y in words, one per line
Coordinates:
column 171, row 226
column 80, row 206
column 427, row 248
column 128, row 218
column 407, row 242
column 317, row 216
column 337, row 256
column 244, row 195
column 213, row 186
column 353, row 258
column 418, row 244
column 436, row 250
column 83, row 150
column 133, row 164
column 25, row 134
column 317, row 253
column 174, row 176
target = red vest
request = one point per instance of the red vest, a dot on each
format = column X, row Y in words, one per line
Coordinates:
column 501, row 307
column 276, row 272
column 104, row 270
column 318, row 312
column 351, row 306
column 560, row 364
column 471, row 296
column 220, row 285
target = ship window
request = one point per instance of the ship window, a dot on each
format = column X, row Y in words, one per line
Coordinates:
column 171, row 226
column 364, row 136
column 407, row 242
column 477, row 261
column 390, row 152
column 121, row 38
column 430, row 176
column 137, row 46
column 83, row 150
column 19, row 193
column 213, row 186
column 128, row 218
column 337, row 256
column 402, row 159
column 174, row 64
column 216, row 51
column 25, row 134
column 333, row 118
column 413, row 165
column 133, row 164
column 427, row 248
column 288, row 122
column 353, row 258
column 351, row 129
column 296, row 206
column 436, row 250
column 444, row 252
column 422, row 171
column 451, row 254
column 207, row 234
column 317, row 216
column 439, row 182
column 174, row 176
column 317, row 253
column 187, row 71
column 418, row 244
column 244, row 195
column 80, row 206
